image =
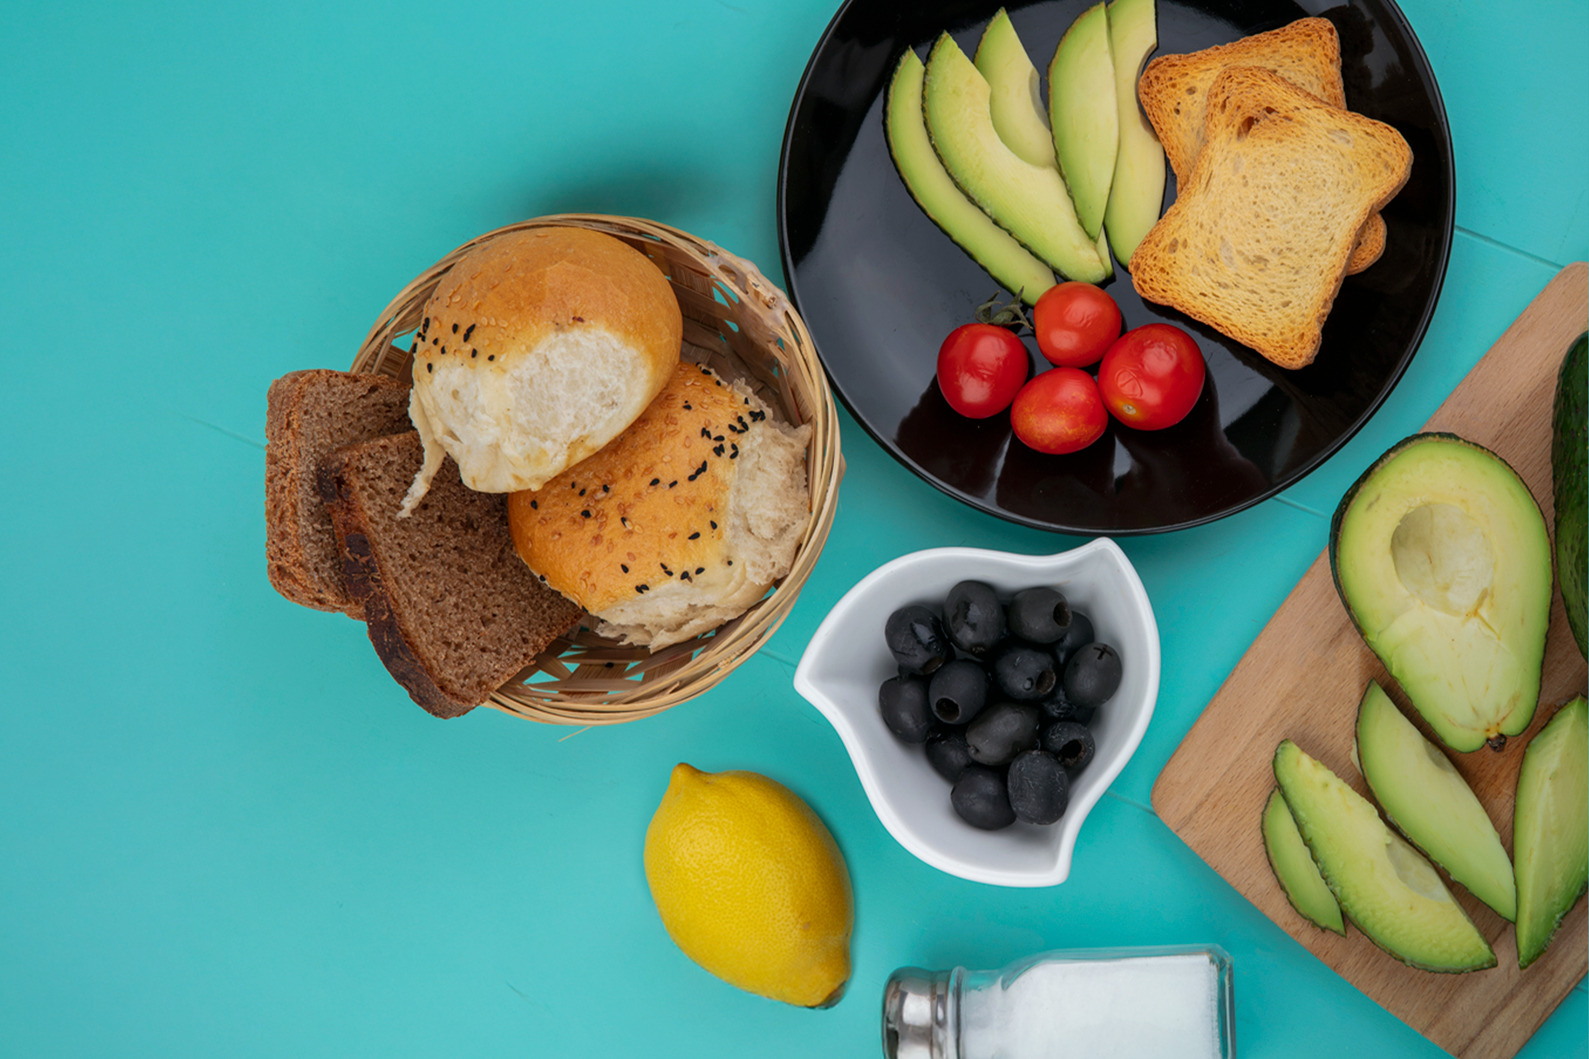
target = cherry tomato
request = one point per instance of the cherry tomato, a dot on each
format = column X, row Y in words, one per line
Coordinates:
column 1152, row 376
column 1059, row 411
column 1075, row 322
column 980, row 368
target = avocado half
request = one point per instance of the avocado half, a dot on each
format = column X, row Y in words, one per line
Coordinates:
column 961, row 219
column 1441, row 556
column 1550, row 830
column 1569, row 451
column 1426, row 797
column 1388, row 889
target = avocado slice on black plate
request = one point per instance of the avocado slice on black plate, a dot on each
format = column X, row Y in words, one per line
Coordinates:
column 1440, row 554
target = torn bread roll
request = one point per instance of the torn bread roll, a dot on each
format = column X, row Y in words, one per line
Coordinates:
column 537, row 348
column 678, row 525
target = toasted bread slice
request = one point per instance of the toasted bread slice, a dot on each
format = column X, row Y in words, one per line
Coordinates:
column 452, row 610
column 1257, row 241
column 1174, row 94
column 307, row 415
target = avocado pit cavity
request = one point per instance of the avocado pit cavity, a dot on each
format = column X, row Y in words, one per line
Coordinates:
column 1443, row 558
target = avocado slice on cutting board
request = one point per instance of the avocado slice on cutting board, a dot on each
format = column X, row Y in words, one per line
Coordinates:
column 1440, row 554
column 1084, row 115
column 1568, row 451
column 1030, row 202
column 1015, row 97
column 1136, row 190
column 996, row 250
column 1424, row 795
column 1293, row 865
column 1550, row 828
column 1385, row 886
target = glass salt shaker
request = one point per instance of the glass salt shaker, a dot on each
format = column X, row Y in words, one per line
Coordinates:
column 1153, row 1003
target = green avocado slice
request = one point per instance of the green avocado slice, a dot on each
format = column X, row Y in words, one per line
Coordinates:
column 1293, row 865
column 1136, row 192
column 1550, row 828
column 1083, row 114
column 1441, row 557
column 996, row 250
column 1424, row 795
column 1014, row 98
column 1028, row 201
column 1387, row 888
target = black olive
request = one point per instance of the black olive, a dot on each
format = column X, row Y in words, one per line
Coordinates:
column 1022, row 671
column 957, row 691
column 1001, row 732
column 1055, row 706
column 916, row 638
column 947, row 752
column 1040, row 615
column 1092, row 675
column 1071, row 743
column 903, row 704
column 973, row 617
column 979, row 796
column 1079, row 635
column 1038, row 788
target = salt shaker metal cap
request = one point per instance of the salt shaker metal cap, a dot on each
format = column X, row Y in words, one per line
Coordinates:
column 918, row 1015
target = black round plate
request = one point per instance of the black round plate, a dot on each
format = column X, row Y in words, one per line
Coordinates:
column 880, row 286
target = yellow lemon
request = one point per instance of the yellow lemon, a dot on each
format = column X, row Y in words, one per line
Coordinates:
column 751, row 885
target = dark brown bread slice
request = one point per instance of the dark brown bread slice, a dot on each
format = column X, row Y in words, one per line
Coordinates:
column 452, row 610
column 307, row 415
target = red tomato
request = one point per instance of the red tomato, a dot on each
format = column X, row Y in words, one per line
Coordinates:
column 1059, row 411
column 1075, row 322
column 980, row 367
column 1152, row 376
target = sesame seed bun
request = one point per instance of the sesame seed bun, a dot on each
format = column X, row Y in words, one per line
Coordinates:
column 537, row 348
column 679, row 524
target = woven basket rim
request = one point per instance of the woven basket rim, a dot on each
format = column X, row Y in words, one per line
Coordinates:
column 573, row 681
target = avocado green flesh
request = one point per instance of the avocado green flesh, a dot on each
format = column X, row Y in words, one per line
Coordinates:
column 1014, row 100
column 996, row 250
column 1293, row 865
column 1388, row 889
column 1424, row 795
column 1136, row 192
column 1569, row 450
column 1550, row 829
column 1030, row 202
column 1440, row 555
column 1084, row 115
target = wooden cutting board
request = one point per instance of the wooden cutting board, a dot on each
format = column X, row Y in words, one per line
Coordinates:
column 1302, row 679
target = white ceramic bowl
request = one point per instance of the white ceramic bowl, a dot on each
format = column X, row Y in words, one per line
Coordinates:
column 847, row 660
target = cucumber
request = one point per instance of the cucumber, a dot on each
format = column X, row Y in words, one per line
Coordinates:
column 1567, row 456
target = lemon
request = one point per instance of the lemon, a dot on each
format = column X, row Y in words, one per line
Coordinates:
column 751, row 885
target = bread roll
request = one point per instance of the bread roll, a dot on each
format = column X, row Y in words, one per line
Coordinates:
column 681, row 523
column 537, row 348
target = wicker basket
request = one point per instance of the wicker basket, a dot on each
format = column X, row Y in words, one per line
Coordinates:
column 741, row 326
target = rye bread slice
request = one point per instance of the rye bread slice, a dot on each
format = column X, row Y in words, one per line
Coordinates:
column 452, row 610
column 307, row 415
column 1173, row 90
column 1257, row 241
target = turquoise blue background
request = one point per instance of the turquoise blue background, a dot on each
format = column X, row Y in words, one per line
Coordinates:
column 224, row 831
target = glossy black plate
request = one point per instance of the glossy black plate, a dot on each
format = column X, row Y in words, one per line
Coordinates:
column 879, row 285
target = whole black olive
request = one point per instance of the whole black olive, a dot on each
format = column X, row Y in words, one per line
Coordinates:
column 947, row 752
column 979, row 796
column 1055, row 706
column 903, row 704
column 957, row 691
column 1001, row 732
column 1079, row 635
column 915, row 636
column 1071, row 744
column 973, row 617
column 1092, row 675
column 1022, row 671
column 1040, row 615
column 1038, row 788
